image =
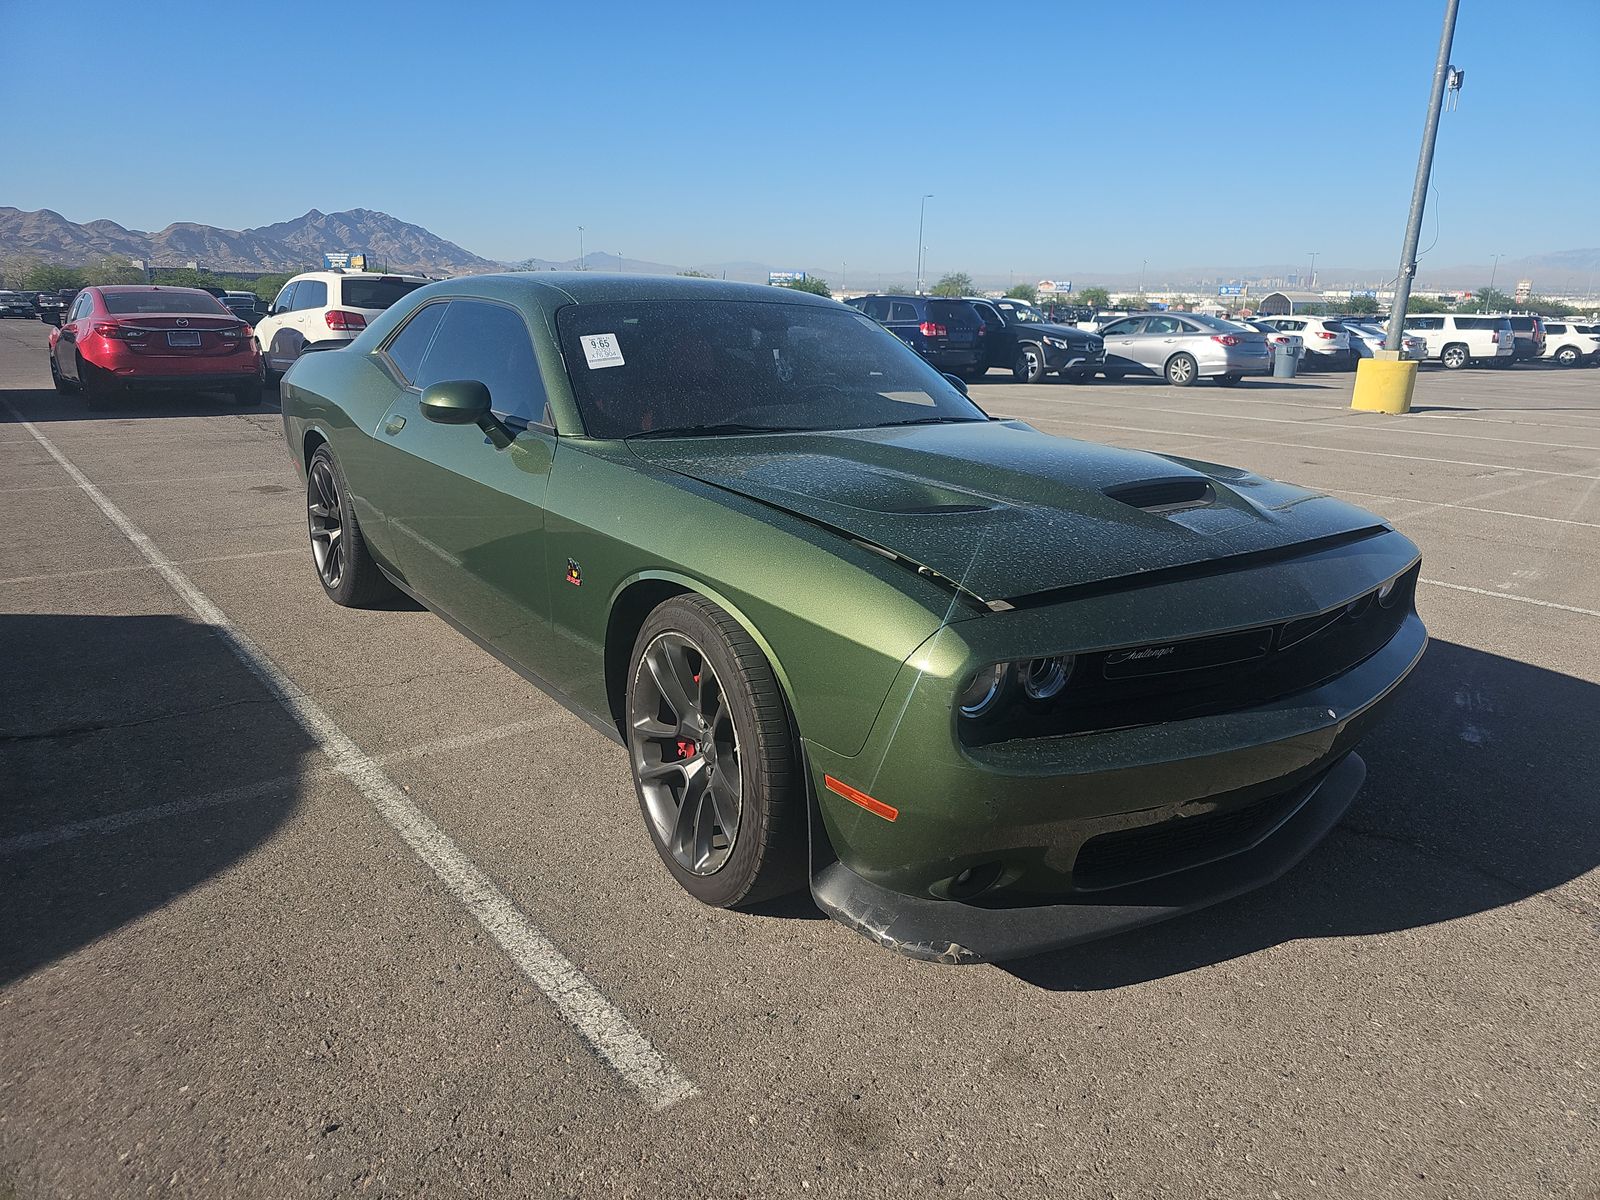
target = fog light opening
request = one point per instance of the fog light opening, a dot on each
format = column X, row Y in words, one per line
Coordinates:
column 973, row 881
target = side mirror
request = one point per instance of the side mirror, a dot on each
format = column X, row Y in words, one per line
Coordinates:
column 456, row 402
column 956, row 382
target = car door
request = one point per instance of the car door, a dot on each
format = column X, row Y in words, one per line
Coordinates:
column 465, row 516
column 66, row 350
column 1156, row 342
column 267, row 333
column 905, row 324
column 1121, row 338
column 999, row 341
column 307, row 322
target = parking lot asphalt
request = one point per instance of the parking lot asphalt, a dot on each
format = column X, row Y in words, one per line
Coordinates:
column 224, row 972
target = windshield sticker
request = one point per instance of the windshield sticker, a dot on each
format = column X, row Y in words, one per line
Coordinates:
column 601, row 350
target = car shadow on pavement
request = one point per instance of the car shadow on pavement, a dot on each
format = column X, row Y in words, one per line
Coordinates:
column 1480, row 792
column 138, row 759
column 45, row 406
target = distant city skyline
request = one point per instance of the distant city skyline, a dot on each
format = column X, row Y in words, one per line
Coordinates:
column 738, row 133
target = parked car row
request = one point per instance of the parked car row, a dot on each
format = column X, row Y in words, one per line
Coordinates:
column 969, row 336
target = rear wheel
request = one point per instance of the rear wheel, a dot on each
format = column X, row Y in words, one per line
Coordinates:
column 344, row 565
column 1453, row 357
column 1568, row 356
column 1029, row 364
column 1182, row 370
column 99, row 388
column 248, row 395
column 713, row 756
column 268, row 375
column 61, row 384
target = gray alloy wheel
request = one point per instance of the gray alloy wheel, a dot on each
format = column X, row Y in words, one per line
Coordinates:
column 1029, row 367
column 1567, row 356
column 345, row 567
column 685, row 751
column 1181, row 370
column 1454, row 357
column 325, row 516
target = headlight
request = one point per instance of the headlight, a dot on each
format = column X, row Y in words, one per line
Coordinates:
column 1058, row 343
column 1043, row 678
column 983, row 695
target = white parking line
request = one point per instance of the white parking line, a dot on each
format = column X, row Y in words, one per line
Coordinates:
column 1477, row 591
column 1251, row 441
column 116, row 822
column 120, row 483
column 1433, row 504
column 1339, row 420
column 612, row 1036
column 188, row 562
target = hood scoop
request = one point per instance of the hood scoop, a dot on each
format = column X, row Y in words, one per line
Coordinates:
column 1162, row 496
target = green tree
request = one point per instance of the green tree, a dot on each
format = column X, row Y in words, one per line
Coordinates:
column 111, row 269
column 897, row 289
column 1359, row 305
column 1426, row 304
column 814, row 284
column 1095, row 297
column 1023, row 291
column 1548, row 308
column 267, row 286
column 954, row 283
column 1486, row 299
column 696, row 275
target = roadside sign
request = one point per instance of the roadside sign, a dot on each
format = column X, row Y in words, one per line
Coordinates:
column 1230, row 289
column 782, row 277
column 1056, row 286
column 343, row 260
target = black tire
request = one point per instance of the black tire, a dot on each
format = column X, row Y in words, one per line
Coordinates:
column 61, row 384
column 355, row 581
column 766, row 855
column 99, row 389
column 268, row 375
column 1454, row 356
column 1568, row 356
column 1181, row 370
column 248, row 395
column 1028, row 367
column 1229, row 380
column 1075, row 376
column 974, row 374
column 1113, row 375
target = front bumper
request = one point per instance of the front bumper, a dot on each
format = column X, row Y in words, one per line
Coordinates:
column 949, row 932
column 1075, row 359
column 197, row 381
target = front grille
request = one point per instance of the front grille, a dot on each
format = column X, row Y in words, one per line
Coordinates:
column 1131, row 855
column 1194, row 677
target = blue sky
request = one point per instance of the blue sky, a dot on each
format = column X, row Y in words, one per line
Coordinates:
column 1057, row 138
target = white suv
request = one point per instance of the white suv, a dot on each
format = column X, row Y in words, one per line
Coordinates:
column 1327, row 341
column 1570, row 344
column 324, row 306
column 1456, row 342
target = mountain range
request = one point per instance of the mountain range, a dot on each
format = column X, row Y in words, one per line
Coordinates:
column 398, row 245
column 286, row 246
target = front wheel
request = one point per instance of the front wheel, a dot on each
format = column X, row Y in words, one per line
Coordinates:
column 1182, row 370
column 1029, row 364
column 713, row 756
column 345, row 567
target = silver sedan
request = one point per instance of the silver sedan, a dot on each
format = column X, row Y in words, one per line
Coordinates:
column 1184, row 347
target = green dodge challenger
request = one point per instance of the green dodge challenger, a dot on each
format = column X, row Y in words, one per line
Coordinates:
column 990, row 692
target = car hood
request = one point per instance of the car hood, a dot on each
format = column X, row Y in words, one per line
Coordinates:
column 1002, row 512
column 1069, row 333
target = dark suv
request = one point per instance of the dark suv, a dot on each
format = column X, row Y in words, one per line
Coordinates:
column 945, row 332
column 1529, row 330
column 1016, row 336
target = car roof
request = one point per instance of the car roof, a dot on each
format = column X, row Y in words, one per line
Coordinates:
column 147, row 287
column 599, row 287
column 360, row 275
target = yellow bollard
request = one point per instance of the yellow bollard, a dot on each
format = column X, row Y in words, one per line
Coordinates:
column 1384, row 384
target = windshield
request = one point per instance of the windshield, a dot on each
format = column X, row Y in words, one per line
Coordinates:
column 1023, row 314
column 374, row 293
column 164, row 301
column 729, row 366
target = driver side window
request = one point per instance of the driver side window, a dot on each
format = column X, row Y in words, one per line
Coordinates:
column 482, row 340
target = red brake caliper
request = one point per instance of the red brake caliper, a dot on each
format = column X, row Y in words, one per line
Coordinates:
column 686, row 748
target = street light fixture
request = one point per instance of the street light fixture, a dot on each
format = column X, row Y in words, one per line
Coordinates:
column 922, row 210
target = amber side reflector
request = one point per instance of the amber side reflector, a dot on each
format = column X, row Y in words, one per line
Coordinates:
column 876, row 807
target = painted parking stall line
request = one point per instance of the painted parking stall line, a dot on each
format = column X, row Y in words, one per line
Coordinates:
column 609, row 1033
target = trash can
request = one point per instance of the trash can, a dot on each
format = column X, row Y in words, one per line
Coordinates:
column 1284, row 363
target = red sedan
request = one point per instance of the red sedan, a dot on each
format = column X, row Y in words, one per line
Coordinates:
column 114, row 340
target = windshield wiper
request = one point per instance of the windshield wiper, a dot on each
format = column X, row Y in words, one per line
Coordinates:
column 713, row 430
column 931, row 421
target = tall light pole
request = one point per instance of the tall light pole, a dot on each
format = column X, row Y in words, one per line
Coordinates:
column 922, row 210
column 619, row 262
column 1495, row 270
column 580, row 247
column 1313, row 282
column 842, row 266
column 1143, row 263
column 1419, row 190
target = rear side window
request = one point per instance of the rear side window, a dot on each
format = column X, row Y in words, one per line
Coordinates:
column 310, row 293
column 1122, row 328
column 410, row 345
column 1478, row 323
column 374, row 293
column 1522, row 324
column 878, row 310
column 1424, row 322
column 477, row 339
column 1163, row 325
column 902, row 310
column 952, row 312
